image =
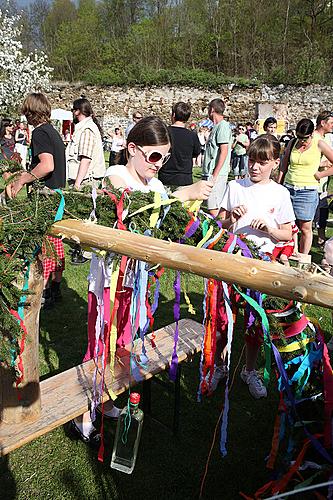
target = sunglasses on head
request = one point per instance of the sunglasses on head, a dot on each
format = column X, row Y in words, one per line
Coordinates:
column 154, row 156
column 137, row 117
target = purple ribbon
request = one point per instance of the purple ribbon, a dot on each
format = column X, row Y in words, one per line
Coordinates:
column 176, row 312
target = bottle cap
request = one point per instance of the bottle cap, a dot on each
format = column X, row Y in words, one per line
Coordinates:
column 135, row 398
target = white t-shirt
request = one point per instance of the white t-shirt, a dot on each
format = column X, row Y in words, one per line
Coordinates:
column 270, row 202
column 98, row 266
column 117, row 144
column 122, row 171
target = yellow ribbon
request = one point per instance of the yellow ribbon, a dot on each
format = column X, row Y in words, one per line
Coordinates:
column 206, row 237
column 190, row 307
column 167, row 201
column 113, row 332
column 156, row 210
column 295, row 346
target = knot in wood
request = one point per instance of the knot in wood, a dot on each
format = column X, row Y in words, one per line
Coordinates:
column 299, row 292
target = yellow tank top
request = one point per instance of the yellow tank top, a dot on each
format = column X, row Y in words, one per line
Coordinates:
column 303, row 165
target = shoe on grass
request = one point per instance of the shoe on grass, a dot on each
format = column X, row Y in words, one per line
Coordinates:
column 78, row 259
column 112, row 414
column 255, row 383
column 220, row 372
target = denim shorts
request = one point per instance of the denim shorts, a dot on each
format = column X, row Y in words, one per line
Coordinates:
column 305, row 202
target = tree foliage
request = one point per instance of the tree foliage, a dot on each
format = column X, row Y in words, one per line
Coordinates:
column 128, row 41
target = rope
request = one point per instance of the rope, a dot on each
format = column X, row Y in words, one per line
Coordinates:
column 217, row 426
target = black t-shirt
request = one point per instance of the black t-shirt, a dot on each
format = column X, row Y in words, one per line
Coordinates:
column 285, row 139
column 178, row 169
column 45, row 139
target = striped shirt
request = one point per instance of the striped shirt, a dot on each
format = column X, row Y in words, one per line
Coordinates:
column 86, row 144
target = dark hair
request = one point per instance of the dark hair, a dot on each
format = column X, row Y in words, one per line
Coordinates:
column 149, row 131
column 269, row 121
column 36, row 108
column 5, row 122
column 304, row 127
column 290, row 131
column 116, row 129
column 84, row 106
column 181, row 111
column 323, row 117
column 249, row 124
column 218, row 106
column 240, row 125
column 264, row 147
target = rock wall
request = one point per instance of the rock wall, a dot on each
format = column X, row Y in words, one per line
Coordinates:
column 114, row 105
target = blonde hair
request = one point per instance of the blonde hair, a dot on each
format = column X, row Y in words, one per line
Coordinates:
column 36, row 108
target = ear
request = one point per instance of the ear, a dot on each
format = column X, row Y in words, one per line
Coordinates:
column 276, row 163
column 131, row 148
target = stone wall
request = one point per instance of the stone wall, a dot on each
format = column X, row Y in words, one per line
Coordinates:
column 114, row 105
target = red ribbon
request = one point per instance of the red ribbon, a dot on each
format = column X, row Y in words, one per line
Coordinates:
column 22, row 345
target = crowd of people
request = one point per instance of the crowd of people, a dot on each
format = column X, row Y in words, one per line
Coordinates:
column 261, row 186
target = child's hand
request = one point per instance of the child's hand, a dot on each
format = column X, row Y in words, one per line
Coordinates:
column 198, row 191
column 237, row 213
column 260, row 224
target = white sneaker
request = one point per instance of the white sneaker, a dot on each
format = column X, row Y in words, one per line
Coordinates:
column 253, row 380
column 330, row 344
column 220, row 372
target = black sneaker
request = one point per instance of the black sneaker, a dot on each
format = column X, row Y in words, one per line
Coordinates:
column 78, row 259
column 47, row 299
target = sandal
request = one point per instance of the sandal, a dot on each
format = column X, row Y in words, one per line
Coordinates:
column 93, row 439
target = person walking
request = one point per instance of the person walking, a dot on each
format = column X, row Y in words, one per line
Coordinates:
column 216, row 161
column 185, row 146
column 84, row 154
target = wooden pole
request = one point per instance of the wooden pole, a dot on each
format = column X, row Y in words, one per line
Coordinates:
column 271, row 278
column 23, row 404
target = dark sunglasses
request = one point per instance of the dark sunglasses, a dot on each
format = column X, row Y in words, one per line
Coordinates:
column 154, row 156
column 304, row 137
column 137, row 117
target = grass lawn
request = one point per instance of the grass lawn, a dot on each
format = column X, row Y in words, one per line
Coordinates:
column 57, row 467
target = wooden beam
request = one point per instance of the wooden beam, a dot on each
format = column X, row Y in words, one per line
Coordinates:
column 23, row 405
column 68, row 394
column 271, row 278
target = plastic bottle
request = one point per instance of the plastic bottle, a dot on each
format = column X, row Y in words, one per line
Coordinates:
column 126, row 444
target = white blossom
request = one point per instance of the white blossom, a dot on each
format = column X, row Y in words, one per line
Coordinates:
column 19, row 73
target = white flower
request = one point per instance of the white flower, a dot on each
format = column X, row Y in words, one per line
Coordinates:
column 19, row 73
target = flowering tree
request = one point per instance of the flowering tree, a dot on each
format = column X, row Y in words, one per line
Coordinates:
column 19, row 73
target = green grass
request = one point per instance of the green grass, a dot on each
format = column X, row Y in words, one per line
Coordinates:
column 57, row 467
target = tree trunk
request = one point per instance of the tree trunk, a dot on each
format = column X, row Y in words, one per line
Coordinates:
column 267, row 277
column 23, row 404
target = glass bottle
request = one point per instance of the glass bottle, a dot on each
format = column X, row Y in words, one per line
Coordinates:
column 126, row 443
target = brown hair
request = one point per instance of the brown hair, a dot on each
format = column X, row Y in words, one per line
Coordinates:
column 181, row 111
column 218, row 106
column 263, row 148
column 150, row 131
column 84, row 106
column 323, row 117
column 36, row 108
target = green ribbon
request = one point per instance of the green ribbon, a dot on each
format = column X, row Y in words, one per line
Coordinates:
column 265, row 325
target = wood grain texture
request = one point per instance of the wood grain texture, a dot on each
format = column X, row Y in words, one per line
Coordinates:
column 27, row 408
column 68, row 394
column 271, row 278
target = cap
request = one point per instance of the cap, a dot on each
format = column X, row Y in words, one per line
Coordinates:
column 135, row 398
